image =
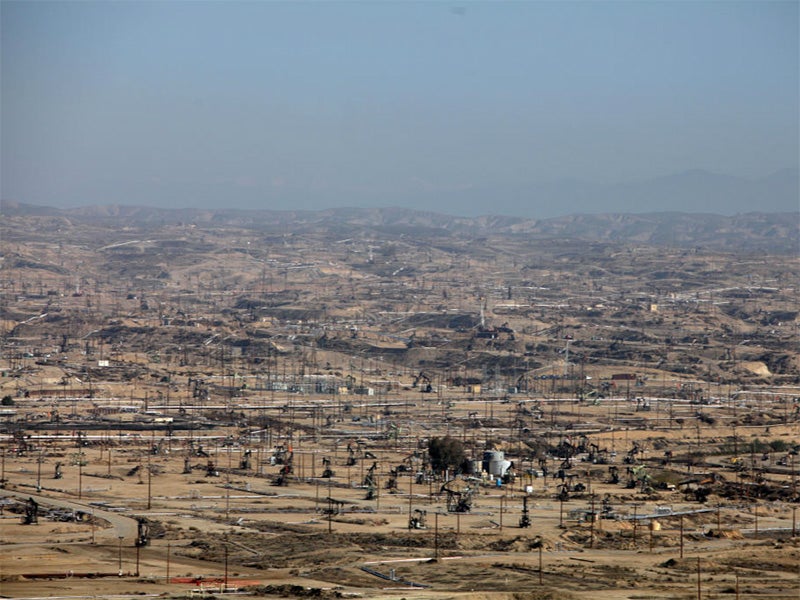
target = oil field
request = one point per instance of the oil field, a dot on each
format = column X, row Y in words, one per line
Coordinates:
column 394, row 404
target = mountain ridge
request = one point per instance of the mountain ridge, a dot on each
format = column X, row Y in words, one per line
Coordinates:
column 754, row 231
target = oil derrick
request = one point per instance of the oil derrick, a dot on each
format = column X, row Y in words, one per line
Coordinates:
column 285, row 471
column 418, row 520
column 211, row 469
column 244, row 463
column 281, row 455
column 371, row 492
column 543, row 466
column 575, row 487
column 200, row 452
column 20, row 442
column 334, row 507
column 199, row 389
column 525, row 519
column 424, row 382
column 157, row 449
column 613, row 474
column 351, row 455
column 58, row 473
column 187, row 467
column 607, row 511
column 143, row 532
column 630, row 457
column 597, row 455
column 327, row 472
column 458, row 501
column 31, row 516
column 391, row 482
column 369, row 478
column 638, row 476
column 369, row 482
column 563, row 492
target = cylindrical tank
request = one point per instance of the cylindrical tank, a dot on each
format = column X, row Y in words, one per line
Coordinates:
column 655, row 525
column 494, row 463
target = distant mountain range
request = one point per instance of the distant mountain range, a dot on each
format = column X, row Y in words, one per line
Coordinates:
column 694, row 191
column 753, row 231
column 689, row 191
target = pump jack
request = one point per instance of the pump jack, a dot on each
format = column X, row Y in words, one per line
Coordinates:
column 458, row 501
column 525, row 519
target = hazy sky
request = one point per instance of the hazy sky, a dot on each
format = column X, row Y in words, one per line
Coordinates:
column 317, row 104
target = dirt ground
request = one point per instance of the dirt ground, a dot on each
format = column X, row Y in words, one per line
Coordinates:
column 207, row 526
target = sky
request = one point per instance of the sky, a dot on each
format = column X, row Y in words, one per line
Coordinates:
column 307, row 105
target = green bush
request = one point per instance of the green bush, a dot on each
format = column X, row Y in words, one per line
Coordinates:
column 446, row 453
column 779, row 446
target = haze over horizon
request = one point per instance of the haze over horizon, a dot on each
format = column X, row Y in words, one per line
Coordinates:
column 525, row 108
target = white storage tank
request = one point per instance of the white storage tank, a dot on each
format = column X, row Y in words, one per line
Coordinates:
column 495, row 463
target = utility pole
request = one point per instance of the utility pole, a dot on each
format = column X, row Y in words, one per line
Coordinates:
column 225, row 581
column 755, row 514
column 39, row 472
column 540, row 562
column 228, row 487
column 698, row 578
column 436, row 536
column 80, row 475
column 410, row 488
column 330, row 508
column 120, row 538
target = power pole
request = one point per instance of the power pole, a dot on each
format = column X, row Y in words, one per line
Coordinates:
column 39, row 472
column 120, row 538
column 436, row 536
column 698, row 578
column 80, row 474
column 225, row 581
column 540, row 562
